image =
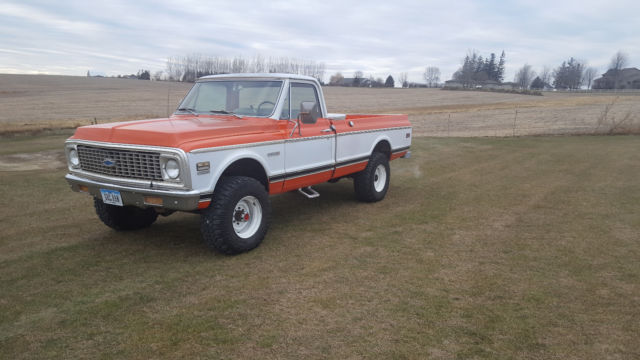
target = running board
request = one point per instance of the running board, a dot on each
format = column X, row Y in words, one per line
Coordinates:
column 308, row 192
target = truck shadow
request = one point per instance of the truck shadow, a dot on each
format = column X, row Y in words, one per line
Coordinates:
column 179, row 233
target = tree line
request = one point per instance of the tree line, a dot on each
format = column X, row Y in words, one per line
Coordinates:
column 359, row 80
column 475, row 70
column 572, row 74
column 190, row 67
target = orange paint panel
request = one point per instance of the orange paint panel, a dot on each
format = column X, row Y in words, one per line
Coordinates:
column 190, row 132
column 350, row 169
column 303, row 181
column 203, row 204
column 276, row 187
column 398, row 155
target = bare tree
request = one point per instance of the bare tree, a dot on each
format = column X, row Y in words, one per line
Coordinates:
column 157, row 76
column 357, row 78
column 618, row 62
column 431, row 76
column 545, row 76
column 191, row 67
column 524, row 76
column 402, row 78
column 590, row 73
column 336, row 79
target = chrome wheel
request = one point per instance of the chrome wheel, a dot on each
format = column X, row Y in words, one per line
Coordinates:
column 247, row 217
column 380, row 178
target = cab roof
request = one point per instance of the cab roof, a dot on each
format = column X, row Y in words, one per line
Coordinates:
column 272, row 76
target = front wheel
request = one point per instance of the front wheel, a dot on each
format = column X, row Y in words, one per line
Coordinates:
column 124, row 218
column 238, row 218
column 372, row 183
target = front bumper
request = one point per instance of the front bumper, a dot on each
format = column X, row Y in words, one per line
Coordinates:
column 184, row 200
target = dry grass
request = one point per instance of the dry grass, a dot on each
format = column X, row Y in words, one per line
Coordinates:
column 35, row 102
column 523, row 248
column 611, row 124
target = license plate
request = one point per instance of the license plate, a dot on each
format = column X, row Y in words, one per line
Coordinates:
column 111, row 197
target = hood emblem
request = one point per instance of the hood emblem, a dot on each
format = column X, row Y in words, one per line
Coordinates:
column 108, row 162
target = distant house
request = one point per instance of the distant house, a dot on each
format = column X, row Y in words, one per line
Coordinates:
column 628, row 78
column 507, row 86
column 490, row 84
column 454, row 84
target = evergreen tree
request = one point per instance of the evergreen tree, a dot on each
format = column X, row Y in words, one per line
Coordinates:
column 476, row 69
column 500, row 69
column 389, row 82
column 490, row 67
column 479, row 64
column 143, row 75
column 537, row 83
column 569, row 75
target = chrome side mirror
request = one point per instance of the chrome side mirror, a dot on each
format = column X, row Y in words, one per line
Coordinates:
column 308, row 112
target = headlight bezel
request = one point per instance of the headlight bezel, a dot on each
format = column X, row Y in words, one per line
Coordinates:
column 69, row 150
column 167, row 168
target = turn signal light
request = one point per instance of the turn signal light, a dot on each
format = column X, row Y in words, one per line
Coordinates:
column 153, row 200
column 83, row 188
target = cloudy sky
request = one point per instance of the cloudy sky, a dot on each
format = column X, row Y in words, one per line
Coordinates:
column 377, row 37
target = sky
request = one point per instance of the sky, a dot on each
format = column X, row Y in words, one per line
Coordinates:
column 379, row 38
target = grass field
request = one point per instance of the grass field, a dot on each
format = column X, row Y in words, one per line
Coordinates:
column 34, row 102
column 485, row 248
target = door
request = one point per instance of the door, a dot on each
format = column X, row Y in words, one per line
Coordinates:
column 310, row 151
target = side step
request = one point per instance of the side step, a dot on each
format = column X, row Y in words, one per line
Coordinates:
column 308, row 192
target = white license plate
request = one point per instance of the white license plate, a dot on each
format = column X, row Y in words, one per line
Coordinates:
column 111, row 197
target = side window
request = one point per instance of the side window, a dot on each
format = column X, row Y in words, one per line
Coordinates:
column 301, row 92
column 285, row 108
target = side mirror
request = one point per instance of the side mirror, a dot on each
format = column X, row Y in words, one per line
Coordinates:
column 308, row 112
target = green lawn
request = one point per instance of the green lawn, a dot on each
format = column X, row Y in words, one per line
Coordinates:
column 515, row 248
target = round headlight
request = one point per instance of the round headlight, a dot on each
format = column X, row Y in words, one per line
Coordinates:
column 172, row 169
column 73, row 157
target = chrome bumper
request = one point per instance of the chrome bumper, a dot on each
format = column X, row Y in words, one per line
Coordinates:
column 185, row 200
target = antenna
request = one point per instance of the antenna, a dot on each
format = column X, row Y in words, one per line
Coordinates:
column 168, row 94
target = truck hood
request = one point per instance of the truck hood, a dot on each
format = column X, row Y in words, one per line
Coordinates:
column 185, row 132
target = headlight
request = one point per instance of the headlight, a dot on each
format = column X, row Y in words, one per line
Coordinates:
column 172, row 169
column 73, row 158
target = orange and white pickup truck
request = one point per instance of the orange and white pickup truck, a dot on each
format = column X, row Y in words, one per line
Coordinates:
column 234, row 140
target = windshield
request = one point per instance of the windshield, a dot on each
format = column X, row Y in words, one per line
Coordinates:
column 233, row 97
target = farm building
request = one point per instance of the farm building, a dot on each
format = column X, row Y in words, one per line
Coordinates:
column 628, row 78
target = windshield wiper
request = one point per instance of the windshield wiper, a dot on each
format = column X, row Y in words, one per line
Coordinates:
column 225, row 112
column 190, row 110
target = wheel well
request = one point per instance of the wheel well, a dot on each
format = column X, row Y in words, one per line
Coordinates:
column 383, row 147
column 250, row 168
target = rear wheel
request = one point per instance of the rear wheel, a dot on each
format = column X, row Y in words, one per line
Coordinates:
column 123, row 218
column 372, row 183
column 238, row 218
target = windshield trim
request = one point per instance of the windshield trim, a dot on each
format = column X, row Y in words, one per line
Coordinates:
column 266, row 79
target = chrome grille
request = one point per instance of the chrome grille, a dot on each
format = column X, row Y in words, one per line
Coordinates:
column 121, row 163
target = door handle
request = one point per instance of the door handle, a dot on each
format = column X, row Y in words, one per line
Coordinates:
column 330, row 129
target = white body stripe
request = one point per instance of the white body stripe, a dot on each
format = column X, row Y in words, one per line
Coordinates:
column 295, row 155
column 309, row 154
